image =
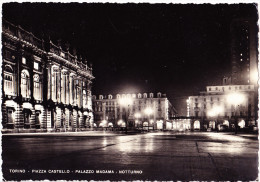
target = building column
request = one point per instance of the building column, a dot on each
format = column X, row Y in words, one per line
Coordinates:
column 43, row 119
column 49, row 119
column 67, row 118
column 75, row 117
column 81, row 120
column 58, row 117
column 32, row 118
column 71, row 92
column 49, row 82
column 59, row 86
column 67, row 88
column 4, row 115
column 19, row 120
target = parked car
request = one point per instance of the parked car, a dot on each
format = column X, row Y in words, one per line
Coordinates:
column 223, row 128
column 209, row 129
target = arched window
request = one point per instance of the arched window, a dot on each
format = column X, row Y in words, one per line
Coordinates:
column 37, row 87
column 9, row 80
column 25, row 84
column 151, row 95
column 145, row 95
column 139, row 96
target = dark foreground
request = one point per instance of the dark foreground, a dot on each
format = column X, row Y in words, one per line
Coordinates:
column 152, row 156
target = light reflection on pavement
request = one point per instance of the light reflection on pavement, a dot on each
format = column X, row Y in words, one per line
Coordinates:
column 160, row 155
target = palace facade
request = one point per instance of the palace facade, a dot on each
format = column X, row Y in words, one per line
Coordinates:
column 44, row 88
column 147, row 110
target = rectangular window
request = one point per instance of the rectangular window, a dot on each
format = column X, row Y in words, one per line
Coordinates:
column 37, row 91
column 10, row 116
column 23, row 60
column 8, row 84
column 36, row 65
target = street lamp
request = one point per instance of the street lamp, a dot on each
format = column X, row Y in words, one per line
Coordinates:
column 235, row 99
column 126, row 102
column 148, row 111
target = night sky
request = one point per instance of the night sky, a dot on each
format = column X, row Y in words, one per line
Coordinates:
column 175, row 49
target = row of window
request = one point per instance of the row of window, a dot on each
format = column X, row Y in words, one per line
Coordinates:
column 205, row 99
column 241, row 113
column 145, row 95
column 9, row 85
column 99, row 109
column 211, row 105
column 27, row 119
column 112, row 103
column 229, row 88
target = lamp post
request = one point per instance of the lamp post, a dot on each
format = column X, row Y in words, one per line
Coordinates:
column 235, row 99
column 148, row 111
column 137, row 116
column 126, row 102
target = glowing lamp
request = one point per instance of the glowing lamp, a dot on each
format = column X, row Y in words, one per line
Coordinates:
column 148, row 111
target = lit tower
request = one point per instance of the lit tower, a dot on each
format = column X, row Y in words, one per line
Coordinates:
column 243, row 51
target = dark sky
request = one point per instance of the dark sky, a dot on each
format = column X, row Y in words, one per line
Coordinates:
column 175, row 49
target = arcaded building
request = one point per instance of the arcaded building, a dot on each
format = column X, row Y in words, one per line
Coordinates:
column 236, row 100
column 140, row 110
column 221, row 105
column 44, row 88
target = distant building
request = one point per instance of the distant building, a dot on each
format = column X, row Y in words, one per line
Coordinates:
column 217, row 106
column 143, row 110
column 243, row 51
column 44, row 88
column 236, row 99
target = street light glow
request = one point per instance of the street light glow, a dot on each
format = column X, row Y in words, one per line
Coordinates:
column 137, row 115
column 254, row 76
column 125, row 101
column 148, row 111
column 235, row 98
column 216, row 111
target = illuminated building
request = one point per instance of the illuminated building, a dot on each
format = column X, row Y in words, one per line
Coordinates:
column 243, row 52
column 44, row 87
column 215, row 108
column 144, row 110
